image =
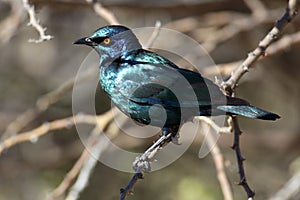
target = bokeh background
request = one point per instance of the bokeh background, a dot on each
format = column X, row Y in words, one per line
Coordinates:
column 28, row 70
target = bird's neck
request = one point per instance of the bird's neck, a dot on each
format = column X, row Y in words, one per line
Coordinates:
column 109, row 68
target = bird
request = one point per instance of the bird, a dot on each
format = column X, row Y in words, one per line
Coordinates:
column 141, row 83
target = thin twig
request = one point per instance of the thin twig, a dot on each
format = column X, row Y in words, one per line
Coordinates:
column 34, row 22
column 230, row 85
column 283, row 44
column 238, row 25
column 69, row 177
column 291, row 11
column 280, row 45
column 289, row 190
column 42, row 104
column 218, row 129
column 88, row 166
column 154, row 34
column 142, row 163
column 240, row 160
column 217, row 157
column 129, row 188
column 45, row 128
column 9, row 26
column 105, row 120
column 257, row 7
column 103, row 12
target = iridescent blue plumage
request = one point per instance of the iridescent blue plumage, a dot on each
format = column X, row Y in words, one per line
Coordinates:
column 139, row 81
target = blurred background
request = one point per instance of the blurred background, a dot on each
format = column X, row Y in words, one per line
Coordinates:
column 228, row 29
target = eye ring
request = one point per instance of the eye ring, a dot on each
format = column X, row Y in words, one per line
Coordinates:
column 106, row 41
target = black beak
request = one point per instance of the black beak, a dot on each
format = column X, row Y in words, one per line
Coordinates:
column 85, row 40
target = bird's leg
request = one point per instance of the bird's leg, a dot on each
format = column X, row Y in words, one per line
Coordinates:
column 142, row 163
column 175, row 133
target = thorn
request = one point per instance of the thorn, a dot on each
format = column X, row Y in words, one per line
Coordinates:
column 140, row 176
column 122, row 190
column 295, row 12
column 251, row 54
column 245, row 68
column 273, row 36
column 233, row 147
column 262, row 49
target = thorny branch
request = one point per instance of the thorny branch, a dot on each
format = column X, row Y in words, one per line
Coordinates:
column 230, row 85
column 291, row 11
column 129, row 188
column 240, row 160
column 143, row 163
column 278, row 46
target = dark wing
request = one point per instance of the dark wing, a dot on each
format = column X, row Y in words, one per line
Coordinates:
column 157, row 80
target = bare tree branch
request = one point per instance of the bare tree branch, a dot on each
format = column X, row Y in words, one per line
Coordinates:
column 10, row 24
column 280, row 45
column 103, row 123
column 87, row 168
column 45, row 128
column 42, row 104
column 129, row 188
column 291, row 11
column 289, row 190
column 230, row 85
column 103, row 12
column 154, row 34
column 217, row 155
column 258, row 8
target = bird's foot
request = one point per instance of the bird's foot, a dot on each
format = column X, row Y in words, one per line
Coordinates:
column 176, row 139
column 142, row 163
column 175, row 134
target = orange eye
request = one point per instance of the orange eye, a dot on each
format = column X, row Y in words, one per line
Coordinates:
column 106, row 40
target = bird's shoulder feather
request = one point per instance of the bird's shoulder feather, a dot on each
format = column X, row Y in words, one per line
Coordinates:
column 153, row 79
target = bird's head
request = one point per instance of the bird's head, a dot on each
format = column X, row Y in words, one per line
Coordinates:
column 111, row 41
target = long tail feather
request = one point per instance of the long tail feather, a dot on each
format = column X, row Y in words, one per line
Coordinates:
column 249, row 111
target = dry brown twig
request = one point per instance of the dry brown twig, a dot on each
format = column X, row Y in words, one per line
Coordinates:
column 237, row 25
column 11, row 23
column 257, row 8
column 45, row 128
column 34, row 22
column 289, row 190
column 291, row 11
column 97, row 145
column 278, row 46
column 103, row 12
column 154, row 34
column 102, row 123
column 217, row 154
column 42, row 104
column 230, row 85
